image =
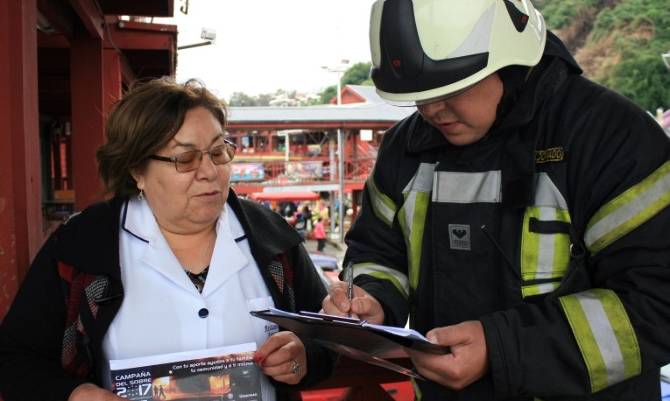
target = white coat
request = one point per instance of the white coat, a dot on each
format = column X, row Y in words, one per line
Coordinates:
column 162, row 312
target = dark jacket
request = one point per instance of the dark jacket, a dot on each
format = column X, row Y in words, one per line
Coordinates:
column 51, row 339
column 551, row 231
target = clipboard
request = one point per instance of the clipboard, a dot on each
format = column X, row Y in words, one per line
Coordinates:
column 355, row 338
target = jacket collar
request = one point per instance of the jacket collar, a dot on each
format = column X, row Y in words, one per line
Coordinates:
column 89, row 241
column 268, row 233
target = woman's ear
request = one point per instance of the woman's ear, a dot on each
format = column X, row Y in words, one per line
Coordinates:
column 139, row 179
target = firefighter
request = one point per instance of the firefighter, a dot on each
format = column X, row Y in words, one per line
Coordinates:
column 520, row 216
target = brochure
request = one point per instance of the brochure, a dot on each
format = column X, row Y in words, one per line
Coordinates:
column 214, row 374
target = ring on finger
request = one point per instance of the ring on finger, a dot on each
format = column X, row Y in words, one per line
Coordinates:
column 295, row 366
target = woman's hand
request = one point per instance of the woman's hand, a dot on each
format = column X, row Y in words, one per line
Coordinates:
column 363, row 306
column 283, row 358
column 91, row 392
column 467, row 362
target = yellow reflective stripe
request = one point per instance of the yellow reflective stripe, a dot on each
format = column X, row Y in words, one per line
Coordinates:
column 629, row 210
column 416, row 238
column 543, row 256
column 562, row 246
column 396, row 278
column 418, row 395
column 537, row 289
column 605, row 336
column 530, row 244
column 382, row 205
column 412, row 217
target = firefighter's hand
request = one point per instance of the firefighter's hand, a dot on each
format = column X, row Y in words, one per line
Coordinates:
column 283, row 358
column 363, row 305
column 91, row 392
column 467, row 361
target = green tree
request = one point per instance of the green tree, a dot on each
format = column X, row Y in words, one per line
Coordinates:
column 559, row 13
column 622, row 44
column 639, row 31
column 644, row 79
column 356, row 74
column 263, row 99
column 241, row 99
column 327, row 94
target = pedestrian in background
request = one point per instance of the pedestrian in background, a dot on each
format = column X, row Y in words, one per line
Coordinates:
column 320, row 234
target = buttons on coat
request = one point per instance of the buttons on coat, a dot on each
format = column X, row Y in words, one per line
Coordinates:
column 203, row 313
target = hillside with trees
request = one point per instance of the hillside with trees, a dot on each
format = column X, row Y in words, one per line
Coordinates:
column 618, row 43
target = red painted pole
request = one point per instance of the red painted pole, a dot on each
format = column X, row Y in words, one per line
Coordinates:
column 112, row 85
column 21, row 230
column 88, row 108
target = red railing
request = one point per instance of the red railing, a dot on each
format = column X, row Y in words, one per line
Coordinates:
column 358, row 169
column 363, row 382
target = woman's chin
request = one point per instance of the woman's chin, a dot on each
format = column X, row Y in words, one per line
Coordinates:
column 207, row 214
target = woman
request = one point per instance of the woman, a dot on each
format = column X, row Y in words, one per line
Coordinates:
column 320, row 234
column 174, row 262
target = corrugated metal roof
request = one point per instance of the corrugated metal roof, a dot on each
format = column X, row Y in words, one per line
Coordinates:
column 345, row 113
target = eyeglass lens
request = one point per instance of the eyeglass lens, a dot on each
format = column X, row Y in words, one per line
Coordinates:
column 190, row 160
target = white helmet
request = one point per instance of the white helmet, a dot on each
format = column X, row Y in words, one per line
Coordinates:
column 428, row 49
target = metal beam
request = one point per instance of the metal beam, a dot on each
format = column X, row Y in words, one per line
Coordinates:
column 128, row 76
column 58, row 16
column 21, row 230
column 112, row 72
column 149, row 8
column 86, row 82
column 91, row 17
column 128, row 35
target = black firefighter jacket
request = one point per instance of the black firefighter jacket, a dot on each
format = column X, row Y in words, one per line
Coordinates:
column 553, row 231
column 51, row 339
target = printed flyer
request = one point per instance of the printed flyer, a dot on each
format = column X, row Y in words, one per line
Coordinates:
column 226, row 373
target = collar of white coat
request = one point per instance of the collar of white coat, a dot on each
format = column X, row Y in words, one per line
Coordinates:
column 138, row 220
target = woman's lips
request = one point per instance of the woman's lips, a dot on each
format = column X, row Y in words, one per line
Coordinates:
column 207, row 194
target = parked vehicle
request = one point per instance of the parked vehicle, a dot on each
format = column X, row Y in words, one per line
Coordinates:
column 327, row 267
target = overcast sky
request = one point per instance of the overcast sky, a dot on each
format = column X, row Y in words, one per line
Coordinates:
column 264, row 45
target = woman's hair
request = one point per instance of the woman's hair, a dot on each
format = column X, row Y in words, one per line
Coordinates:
column 142, row 122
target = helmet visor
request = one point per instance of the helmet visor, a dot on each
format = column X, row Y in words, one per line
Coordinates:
column 416, row 103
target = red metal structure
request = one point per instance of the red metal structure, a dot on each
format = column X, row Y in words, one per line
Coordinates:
column 293, row 149
column 64, row 63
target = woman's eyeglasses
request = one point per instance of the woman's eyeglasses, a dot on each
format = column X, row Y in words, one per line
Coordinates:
column 189, row 161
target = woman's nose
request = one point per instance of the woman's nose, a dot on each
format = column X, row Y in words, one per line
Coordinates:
column 207, row 168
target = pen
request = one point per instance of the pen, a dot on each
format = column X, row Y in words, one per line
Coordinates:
column 349, row 278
